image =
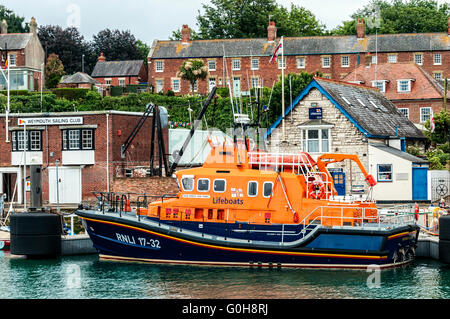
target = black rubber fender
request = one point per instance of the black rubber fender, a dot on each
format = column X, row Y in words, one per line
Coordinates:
column 35, row 224
column 444, row 251
column 35, row 245
column 444, row 227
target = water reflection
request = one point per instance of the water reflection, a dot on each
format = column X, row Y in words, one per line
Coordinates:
column 87, row 277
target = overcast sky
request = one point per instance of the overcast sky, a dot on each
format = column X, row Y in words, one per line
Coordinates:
column 153, row 19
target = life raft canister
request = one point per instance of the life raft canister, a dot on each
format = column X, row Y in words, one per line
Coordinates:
column 317, row 190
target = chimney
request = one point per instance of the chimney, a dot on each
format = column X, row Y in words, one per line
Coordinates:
column 33, row 26
column 101, row 58
column 360, row 29
column 185, row 34
column 4, row 27
column 271, row 32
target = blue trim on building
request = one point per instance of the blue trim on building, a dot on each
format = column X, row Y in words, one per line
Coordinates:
column 315, row 84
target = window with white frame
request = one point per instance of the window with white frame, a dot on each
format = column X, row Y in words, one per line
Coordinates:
column 374, row 59
column 193, row 89
column 254, row 64
column 211, row 83
column 345, row 61
column 384, row 172
column 316, row 140
column 392, row 58
column 203, row 185
column 78, row 139
column 281, row 63
column 437, row 59
column 255, row 82
column 437, row 76
column 380, row 85
column 32, row 140
column 108, row 81
column 121, row 82
column 159, row 66
column 425, row 114
column 301, row 62
column 403, row 86
column 12, row 60
column 159, row 85
column 404, row 111
column 252, row 189
column 267, row 189
column 236, row 65
column 418, row 58
column 326, row 62
column 176, row 85
column 212, row 65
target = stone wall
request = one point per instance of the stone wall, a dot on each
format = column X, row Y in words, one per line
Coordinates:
column 345, row 137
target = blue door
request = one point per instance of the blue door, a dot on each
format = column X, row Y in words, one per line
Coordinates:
column 339, row 182
column 420, row 183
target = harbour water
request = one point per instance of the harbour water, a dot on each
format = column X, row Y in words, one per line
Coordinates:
column 87, row 277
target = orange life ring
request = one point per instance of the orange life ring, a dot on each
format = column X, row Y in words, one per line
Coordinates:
column 317, row 190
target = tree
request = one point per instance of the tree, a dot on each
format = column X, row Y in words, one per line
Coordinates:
column 54, row 70
column 15, row 23
column 69, row 45
column 192, row 71
column 441, row 134
column 397, row 16
column 117, row 45
column 144, row 49
column 298, row 83
column 297, row 21
column 235, row 19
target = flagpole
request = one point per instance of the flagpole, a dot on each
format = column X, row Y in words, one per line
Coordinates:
column 25, row 143
column 8, row 96
column 282, row 87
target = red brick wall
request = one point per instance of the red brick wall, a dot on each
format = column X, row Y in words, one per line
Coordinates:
column 157, row 186
column 269, row 72
column 414, row 108
column 94, row 177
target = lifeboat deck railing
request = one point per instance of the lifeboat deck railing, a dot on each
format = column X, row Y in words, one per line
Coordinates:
column 367, row 217
column 299, row 164
column 117, row 202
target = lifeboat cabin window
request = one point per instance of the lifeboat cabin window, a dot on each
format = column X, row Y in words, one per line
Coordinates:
column 267, row 189
column 188, row 183
column 203, row 185
column 252, row 189
column 220, row 185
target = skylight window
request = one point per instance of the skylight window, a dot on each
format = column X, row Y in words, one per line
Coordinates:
column 360, row 102
column 376, row 106
column 345, row 99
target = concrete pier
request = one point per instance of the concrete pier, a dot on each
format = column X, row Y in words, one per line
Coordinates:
column 427, row 246
column 77, row 245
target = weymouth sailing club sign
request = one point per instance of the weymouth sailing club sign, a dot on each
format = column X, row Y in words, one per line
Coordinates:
column 51, row 121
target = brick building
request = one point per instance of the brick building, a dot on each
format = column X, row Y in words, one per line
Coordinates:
column 88, row 147
column 338, row 117
column 246, row 61
column 26, row 58
column 413, row 90
column 119, row 73
column 78, row 80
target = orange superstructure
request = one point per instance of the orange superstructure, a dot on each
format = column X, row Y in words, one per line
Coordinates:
column 236, row 185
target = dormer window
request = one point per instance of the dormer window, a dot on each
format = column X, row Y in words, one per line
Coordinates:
column 380, row 85
column 404, row 85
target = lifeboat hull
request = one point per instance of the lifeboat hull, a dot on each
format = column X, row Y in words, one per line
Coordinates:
column 118, row 238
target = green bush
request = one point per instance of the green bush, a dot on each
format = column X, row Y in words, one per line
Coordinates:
column 70, row 93
column 15, row 92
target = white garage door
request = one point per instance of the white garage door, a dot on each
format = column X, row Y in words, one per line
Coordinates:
column 69, row 185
